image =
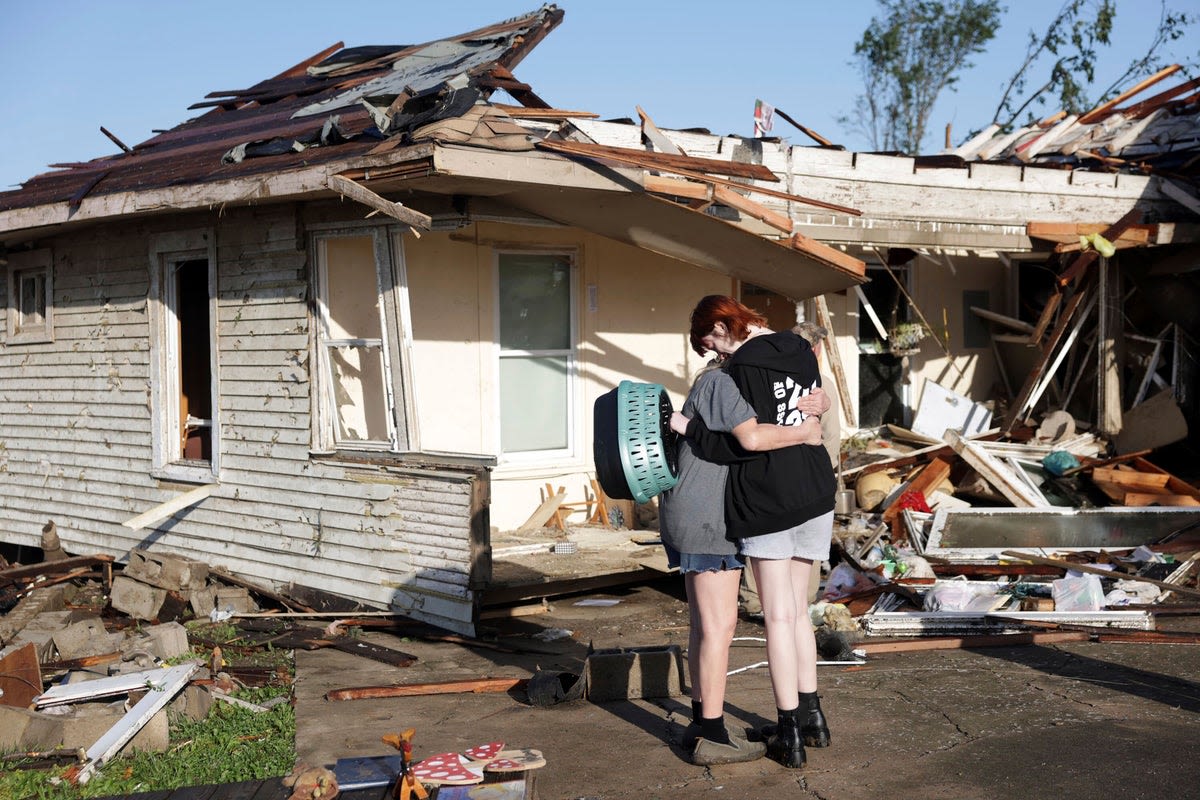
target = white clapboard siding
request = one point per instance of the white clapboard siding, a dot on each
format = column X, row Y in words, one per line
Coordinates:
column 75, row 425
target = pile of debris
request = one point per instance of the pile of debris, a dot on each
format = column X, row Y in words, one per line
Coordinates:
column 974, row 535
column 90, row 663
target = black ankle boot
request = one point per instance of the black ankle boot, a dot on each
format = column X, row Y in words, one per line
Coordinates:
column 786, row 744
column 812, row 721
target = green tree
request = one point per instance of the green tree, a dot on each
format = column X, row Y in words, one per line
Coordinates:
column 1070, row 46
column 908, row 56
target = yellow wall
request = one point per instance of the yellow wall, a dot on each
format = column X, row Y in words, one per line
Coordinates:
column 637, row 332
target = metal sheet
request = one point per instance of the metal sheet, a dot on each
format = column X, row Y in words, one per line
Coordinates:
column 959, row 623
column 984, row 533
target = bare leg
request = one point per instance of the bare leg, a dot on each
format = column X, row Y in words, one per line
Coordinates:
column 806, row 643
column 779, row 618
column 712, row 602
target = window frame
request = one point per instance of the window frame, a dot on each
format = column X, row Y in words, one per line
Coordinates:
column 31, row 262
column 571, row 451
column 167, row 250
column 391, row 284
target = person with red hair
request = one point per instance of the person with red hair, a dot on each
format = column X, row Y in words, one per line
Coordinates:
column 692, row 526
column 778, row 507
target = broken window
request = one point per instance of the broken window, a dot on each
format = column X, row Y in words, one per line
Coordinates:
column 361, row 310
column 30, row 297
column 184, row 363
column 536, row 299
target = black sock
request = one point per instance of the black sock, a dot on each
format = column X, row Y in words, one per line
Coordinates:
column 791, row 715
column 809, row 701
column 714, row 729
column 696, row 712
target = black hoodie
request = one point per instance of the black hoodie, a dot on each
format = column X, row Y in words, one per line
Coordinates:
column 777, row 489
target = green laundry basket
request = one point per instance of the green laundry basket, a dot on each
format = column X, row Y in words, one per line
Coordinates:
column 634, row 447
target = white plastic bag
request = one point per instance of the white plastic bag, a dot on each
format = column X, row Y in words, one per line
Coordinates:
column 1083, row 593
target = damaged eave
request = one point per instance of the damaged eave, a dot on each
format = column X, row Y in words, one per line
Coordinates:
column 265, row 187
column 613, row 202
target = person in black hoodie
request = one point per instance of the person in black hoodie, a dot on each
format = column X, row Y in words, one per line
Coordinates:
column 778, row 508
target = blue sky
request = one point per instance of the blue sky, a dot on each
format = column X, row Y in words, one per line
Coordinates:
column 70, row 66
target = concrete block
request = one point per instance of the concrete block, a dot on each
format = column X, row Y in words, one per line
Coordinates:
column 82, row 724
column 204, row 601
column 87, row 637
column 48, row 598
column 235, row 599
column 175, row 573
column 13, row 724
column 635, row 672
column 135, row 598
column 193, row 703
column 167, row 640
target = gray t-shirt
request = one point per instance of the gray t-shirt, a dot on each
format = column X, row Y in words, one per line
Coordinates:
column 692, row 518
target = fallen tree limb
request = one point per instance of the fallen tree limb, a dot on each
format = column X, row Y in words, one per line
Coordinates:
column 475, row 685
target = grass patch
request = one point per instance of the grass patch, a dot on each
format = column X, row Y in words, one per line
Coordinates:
column 231, row 744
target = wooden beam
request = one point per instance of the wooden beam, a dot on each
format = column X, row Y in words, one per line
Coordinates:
column 835, row 361
column 524, row 112
column 666, row 161
column 727, row 196
column 675, row 187
column 175, row 504
column 1097, row 113
column 924, row 482
column 474, row 686
column 646, row 160
column 1151, row 103
column 362, row 194
column 1180, row 195
column 816, row 137
column 1083, row 260
column 544, row 512
column 968, row 642
column 823, row 252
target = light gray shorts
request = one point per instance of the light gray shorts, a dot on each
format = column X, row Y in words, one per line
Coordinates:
column 809, row 540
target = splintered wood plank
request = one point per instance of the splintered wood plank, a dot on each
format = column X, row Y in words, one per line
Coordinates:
column 362, row 194
column 1113, row 491
column 824, row 252
column 1130, row 477
column 994, row 472
column 1101, row 110
column 667, row 161
column 544, row 512
column 924, row 482
column 1093, row 570
column 729, row 197
column 677, row 187
column 475, row 686
column 1144, row 498
column 1176, row 485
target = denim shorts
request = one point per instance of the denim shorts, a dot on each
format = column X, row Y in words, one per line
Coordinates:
column 702, row 562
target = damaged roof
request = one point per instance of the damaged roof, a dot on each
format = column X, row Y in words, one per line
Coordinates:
column 418, row 119
column 1156, row 134
column 346, row 97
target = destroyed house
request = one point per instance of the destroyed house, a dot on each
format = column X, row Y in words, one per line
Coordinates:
column 331, row 331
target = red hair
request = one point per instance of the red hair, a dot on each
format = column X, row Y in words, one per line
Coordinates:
column 715, row 308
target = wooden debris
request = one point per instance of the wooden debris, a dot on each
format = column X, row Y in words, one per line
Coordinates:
column 398, row 211
column 968, row 642
column 476, row 686
column 1093, row 570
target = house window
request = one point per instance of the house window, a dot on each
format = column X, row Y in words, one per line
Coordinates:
column 362, row 311
column 30, row 297
column 184, row 363
column 536, row 298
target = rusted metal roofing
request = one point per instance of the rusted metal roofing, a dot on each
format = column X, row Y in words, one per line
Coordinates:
column 312, row 113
